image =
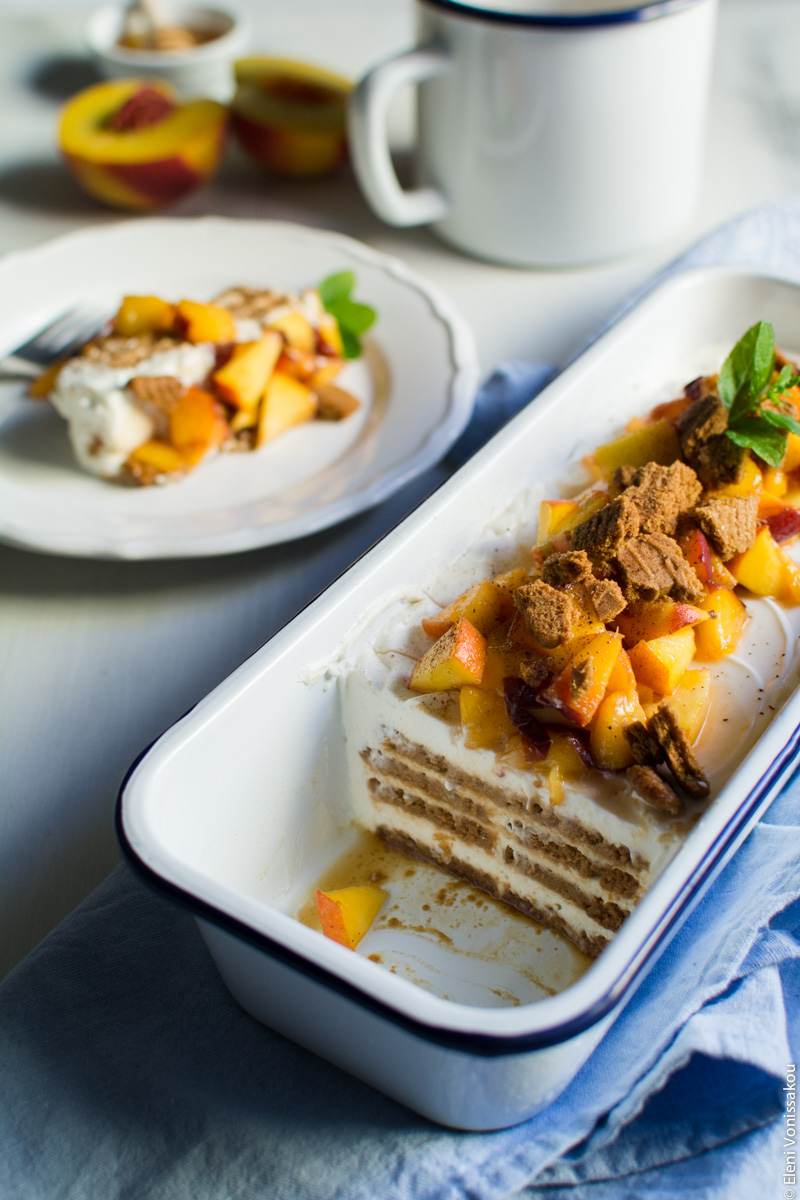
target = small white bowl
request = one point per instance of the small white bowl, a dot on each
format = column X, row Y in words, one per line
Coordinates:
column 205, row 70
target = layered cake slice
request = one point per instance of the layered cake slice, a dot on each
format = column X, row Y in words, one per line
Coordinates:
column 544, row 735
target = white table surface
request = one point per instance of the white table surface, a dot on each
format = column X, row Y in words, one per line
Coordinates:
column 98, row 658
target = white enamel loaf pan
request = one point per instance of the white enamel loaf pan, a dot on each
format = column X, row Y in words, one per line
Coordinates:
column 239, row 806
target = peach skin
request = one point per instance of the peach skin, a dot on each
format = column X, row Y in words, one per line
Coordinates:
column 290, row 117
column 131, row 145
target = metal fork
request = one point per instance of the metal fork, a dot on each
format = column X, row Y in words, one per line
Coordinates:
column 59, row 339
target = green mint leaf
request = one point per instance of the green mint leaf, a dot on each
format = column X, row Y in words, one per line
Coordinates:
column 785, row 380
column 353, row 316
column 748, row 369
column 351, row 347
column 780, row 420
column 335, row 287
column 754, row 434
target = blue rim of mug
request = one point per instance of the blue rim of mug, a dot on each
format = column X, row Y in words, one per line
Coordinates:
column 613, row 16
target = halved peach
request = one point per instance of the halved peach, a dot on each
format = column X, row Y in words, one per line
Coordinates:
column 720, row 635
column 289, row 116
column 347, row 913
column 286, row 402
column 140, row 167
column 241, row 382
column 659, row 663
column 457, row 658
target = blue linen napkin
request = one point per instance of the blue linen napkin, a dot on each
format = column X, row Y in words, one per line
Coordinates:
column 126, row 1070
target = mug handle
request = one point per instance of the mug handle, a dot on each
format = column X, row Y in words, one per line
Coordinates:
column 369, row 144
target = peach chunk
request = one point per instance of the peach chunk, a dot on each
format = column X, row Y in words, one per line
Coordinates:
column 334, row 403
column 159, row 456
column 457, row 658
column 791, row 459
column 554, row 515
column 708, row 565
column 290, row 117
column 654, row 443
column 562, row 764
column 776, row 482
column 660, row 662
column 485, row 604
column 330, row 337
column 242, row 380
column 510, row 580
column 767, row 570
column 750, row 482
column 144, row 314
column 162, row 150
column 690, row 702
column 297, row 330
column 196, row 425
column 286, row 402
column 720, row 635
column 347, row 913
column 41, row 387
column 571, row 515
column 484, row 718
column 578, row 689
column 622, row 678
column 205, row 322
column 609, row 745
column 654, row 618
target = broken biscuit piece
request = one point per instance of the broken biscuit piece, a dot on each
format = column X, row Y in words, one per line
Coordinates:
column 548, row 613
column 729, row 523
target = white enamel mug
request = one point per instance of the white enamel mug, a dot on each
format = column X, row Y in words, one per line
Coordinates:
column 549, row 132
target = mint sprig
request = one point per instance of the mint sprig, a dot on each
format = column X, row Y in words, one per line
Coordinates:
column 352, row 317
column 745, row 383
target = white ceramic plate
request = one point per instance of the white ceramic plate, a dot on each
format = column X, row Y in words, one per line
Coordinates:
column 417, row 382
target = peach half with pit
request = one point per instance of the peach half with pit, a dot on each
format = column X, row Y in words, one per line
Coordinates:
column 290, row 117
column 131, row 144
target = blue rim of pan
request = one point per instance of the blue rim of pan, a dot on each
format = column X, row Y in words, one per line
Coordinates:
column 615, row 15
column 492, row 1045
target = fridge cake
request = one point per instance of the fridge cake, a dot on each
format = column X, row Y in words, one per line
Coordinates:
column 545, row 733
